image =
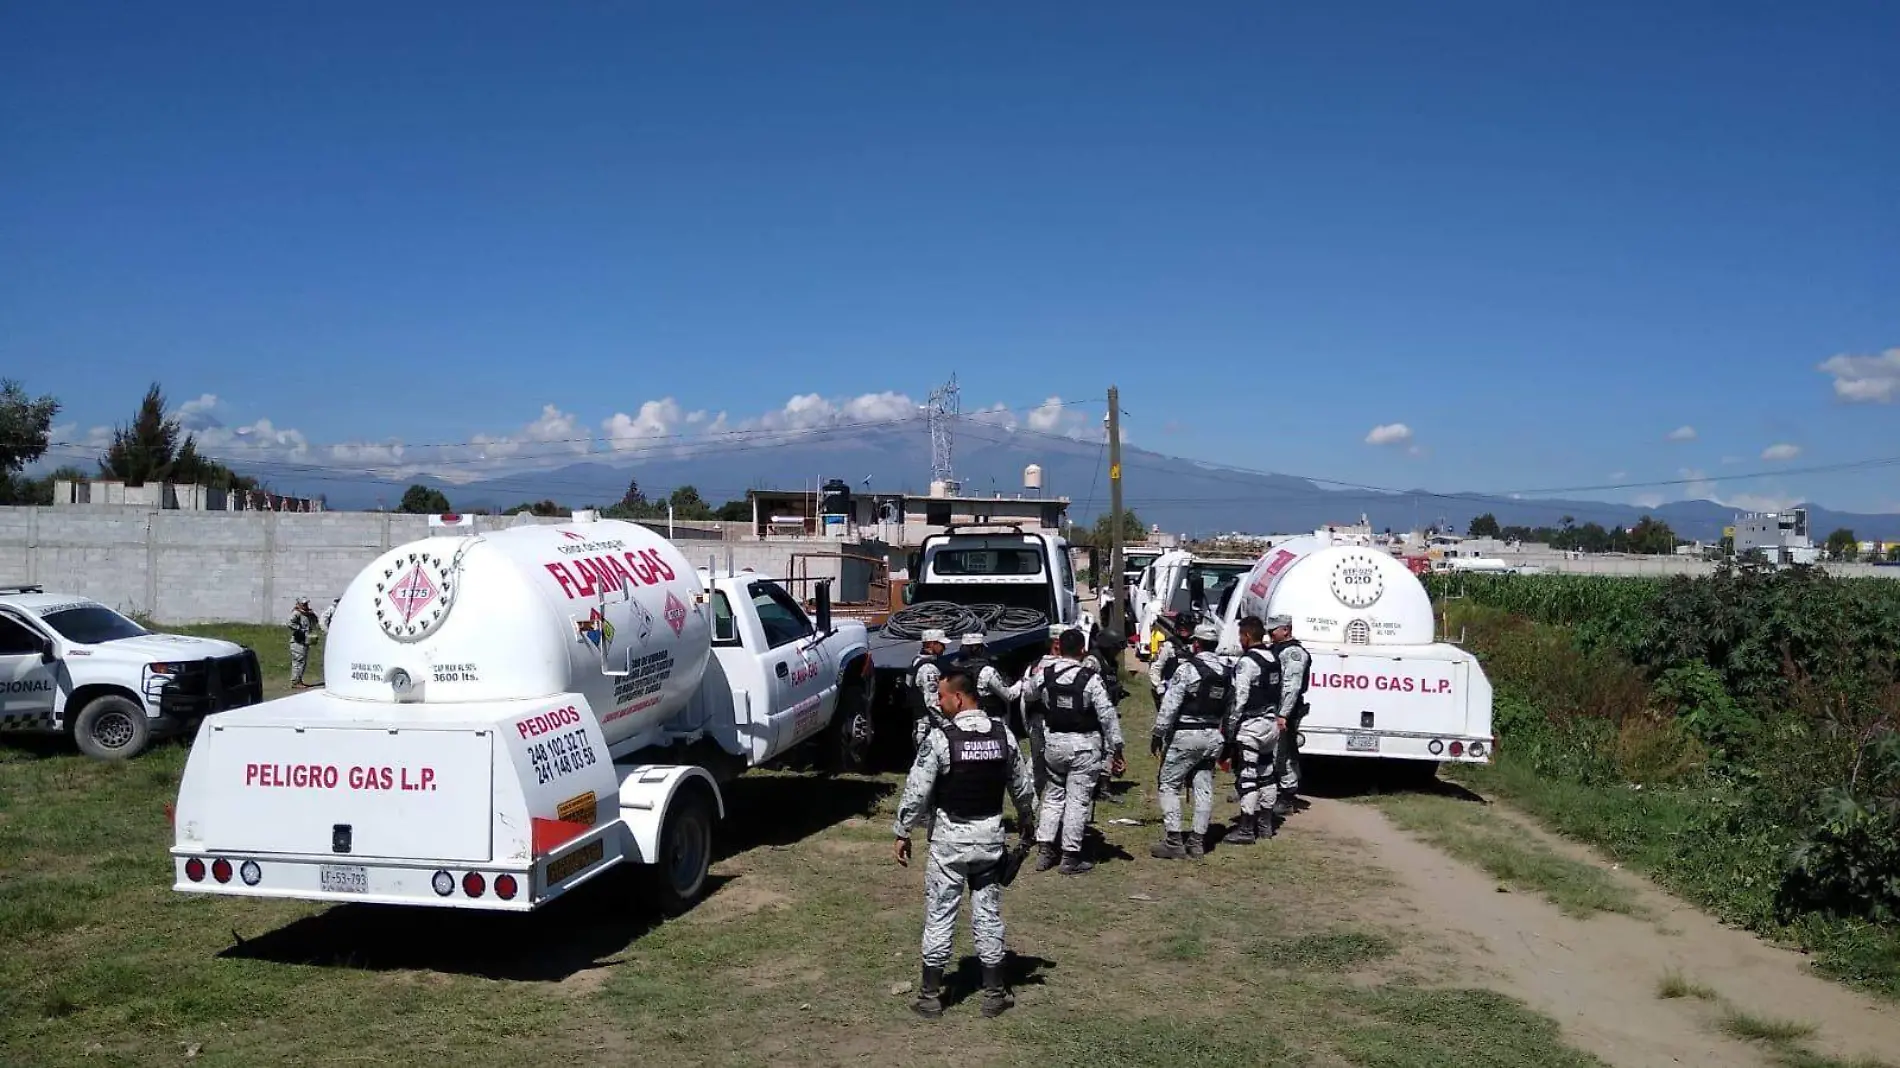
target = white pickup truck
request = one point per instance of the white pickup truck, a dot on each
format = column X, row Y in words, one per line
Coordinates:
column 509, row 714
column 71, row 665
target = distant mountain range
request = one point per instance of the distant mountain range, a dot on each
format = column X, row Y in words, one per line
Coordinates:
column 1183, row 496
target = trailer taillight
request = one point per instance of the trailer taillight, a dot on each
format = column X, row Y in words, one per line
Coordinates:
column 444, row 883
column 1477, row 749
column 473, row 884
column 1457, row 749
column 505, row 887
column 1435, row 746
column 195, row 870
column 250, row 873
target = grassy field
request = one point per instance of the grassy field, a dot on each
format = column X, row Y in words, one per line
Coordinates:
column 803, row 953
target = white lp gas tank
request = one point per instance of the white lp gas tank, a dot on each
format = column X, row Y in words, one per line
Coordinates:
column 1345, row 594
column 604, row 608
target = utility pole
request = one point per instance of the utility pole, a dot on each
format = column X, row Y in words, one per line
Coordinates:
column 1115, row 584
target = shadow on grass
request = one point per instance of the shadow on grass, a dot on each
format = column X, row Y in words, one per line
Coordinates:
column 576, row 933
column 1019, row 971
column 1343, row 779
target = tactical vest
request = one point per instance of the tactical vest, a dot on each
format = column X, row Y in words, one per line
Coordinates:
column 1299, row 699
column 918, row 706
column 1069, row 709
column 1173, row 665
column 1207, row 706
column 973, row 789
column 992, row 705
column 1264, row 698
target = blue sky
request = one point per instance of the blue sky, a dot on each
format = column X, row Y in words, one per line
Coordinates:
column 1537, row 237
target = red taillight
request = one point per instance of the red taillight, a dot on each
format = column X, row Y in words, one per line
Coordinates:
column 1457, row 749
column 505, row 887
column 221, row 870
column 195, row 870
column 473, row 884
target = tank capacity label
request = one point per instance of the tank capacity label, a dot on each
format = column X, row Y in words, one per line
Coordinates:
column 332, row 777
column 561, row 755
column 590, row 576
column 1335, row 680
column 366, row 672
column 455, row 673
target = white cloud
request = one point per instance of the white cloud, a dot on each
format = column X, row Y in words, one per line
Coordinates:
column 1618, row 476
column 1781, row 452
column 198, row 414
column 656, row 419
column 1865, row 379
column 1389, row 434
column 1760, row 502
column 1681, row 433
column 1647, row 500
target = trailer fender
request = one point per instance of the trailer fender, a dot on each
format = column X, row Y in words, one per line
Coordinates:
column 646, row 792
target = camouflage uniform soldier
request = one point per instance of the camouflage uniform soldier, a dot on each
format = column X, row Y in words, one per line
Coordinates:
column 1081, row 728
column 302, row 622
column 1254, row 729
column 924, row 673
column 1187, row 729
column 1294, row 663
column 961, row 775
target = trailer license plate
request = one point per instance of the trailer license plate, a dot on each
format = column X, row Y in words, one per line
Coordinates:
column 343, row 878
column 1362, row 743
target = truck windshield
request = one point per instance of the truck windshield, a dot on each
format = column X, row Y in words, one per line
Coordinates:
column 1024, row 561
column 92, row 624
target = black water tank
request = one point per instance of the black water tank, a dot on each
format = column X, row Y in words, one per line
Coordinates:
column 836, row 499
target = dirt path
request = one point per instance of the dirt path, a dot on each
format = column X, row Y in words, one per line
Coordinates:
column 1598, row 977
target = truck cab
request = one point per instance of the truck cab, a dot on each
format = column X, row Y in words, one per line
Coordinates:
column 71, row 665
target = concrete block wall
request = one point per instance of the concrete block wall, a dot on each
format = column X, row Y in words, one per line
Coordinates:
column 250, row 567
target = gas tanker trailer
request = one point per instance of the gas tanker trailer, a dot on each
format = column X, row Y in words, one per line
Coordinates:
column 509, row 714
column 1381, row 684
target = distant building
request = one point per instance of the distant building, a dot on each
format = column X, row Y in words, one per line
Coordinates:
column 894, row 518
column 171, row 496
column 1777, row 537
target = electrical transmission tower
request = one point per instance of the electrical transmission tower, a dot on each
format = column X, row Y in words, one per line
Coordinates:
column 943, row 408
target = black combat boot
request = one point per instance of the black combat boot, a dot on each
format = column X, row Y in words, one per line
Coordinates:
column 1048, row 856
column 1073, row 864
column 996, row 996
column 1242, row 832
column 1169, row 848
column 1196, row 843
column 929, row 1003
column 1265, row 825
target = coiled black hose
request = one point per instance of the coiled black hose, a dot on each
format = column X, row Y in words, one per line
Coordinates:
column 954, row 619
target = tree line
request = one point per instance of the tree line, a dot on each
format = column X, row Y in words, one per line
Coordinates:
column 685, row 501
column 152, row 447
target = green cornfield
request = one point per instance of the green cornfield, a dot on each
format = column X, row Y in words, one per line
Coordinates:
column 1561, row 600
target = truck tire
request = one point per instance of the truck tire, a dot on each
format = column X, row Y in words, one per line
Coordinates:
column 677, row 877
column 852, row 732
column 111, row 727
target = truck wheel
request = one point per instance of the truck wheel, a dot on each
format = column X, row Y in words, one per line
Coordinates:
column 677, row 877
column 111, row 727
column 852, row 732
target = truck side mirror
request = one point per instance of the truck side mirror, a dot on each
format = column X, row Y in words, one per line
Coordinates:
column 914, row 564
column 824, row 607
column 47, row 655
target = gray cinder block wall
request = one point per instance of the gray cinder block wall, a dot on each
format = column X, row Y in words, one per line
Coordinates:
column 250, row 567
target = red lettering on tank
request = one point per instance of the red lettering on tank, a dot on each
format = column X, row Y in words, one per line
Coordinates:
column 561, row 576
column 660, row 566
column 640, row 568
column 620, row 570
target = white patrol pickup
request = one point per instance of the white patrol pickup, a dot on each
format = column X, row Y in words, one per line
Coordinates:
column 69, row 664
